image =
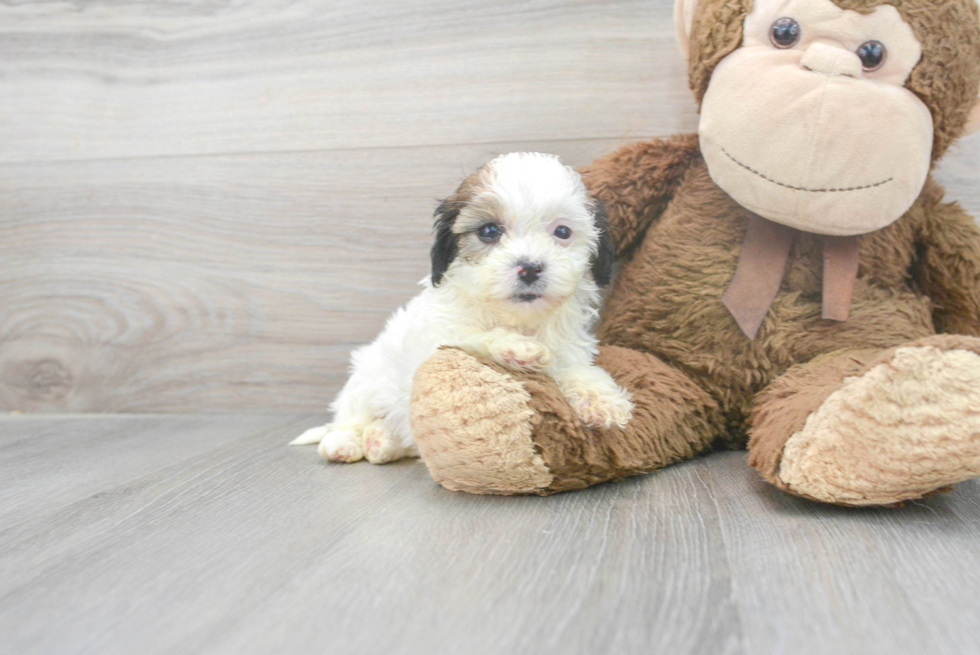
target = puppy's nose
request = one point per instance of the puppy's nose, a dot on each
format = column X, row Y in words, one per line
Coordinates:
column 529, row 271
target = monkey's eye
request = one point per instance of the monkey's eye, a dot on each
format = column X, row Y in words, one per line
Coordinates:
column 563, row 232
column 785, row 33
column 872, row 55
column 489, row 233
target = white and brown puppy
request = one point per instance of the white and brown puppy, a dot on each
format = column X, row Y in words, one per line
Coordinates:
column 520, row 254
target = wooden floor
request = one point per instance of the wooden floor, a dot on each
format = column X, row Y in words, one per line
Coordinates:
column 207, row 534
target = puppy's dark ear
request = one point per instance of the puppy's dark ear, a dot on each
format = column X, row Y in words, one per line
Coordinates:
column 602, row 259
column 446, row 247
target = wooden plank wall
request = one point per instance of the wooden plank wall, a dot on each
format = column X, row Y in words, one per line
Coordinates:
column 205, row 205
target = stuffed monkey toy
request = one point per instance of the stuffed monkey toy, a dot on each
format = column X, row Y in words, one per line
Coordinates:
column 793, row 280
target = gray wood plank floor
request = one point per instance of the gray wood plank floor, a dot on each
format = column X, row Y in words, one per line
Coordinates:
column 206, row 534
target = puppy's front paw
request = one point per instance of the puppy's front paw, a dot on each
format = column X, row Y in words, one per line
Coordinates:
column 601, row 409
column 341, row 445
column 520, row 353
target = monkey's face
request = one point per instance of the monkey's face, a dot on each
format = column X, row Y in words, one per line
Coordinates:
column 808, row 123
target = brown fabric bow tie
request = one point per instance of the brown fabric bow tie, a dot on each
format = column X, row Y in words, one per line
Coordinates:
column 762, row 265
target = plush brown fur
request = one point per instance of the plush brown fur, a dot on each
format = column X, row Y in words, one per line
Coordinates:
column 698, row 382
column 781, row 410
column 478, row 401
column 677, row 419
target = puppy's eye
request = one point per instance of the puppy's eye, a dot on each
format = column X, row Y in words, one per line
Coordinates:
column 563, row 232
column 489, row 233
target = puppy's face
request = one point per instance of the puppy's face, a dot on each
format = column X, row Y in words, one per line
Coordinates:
column 521, row 233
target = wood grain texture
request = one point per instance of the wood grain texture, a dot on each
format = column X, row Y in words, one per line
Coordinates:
column 228, row 541
column 212, row 283
column 134, row 79
column 206, row 206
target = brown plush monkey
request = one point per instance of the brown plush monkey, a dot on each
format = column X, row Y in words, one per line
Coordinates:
column 794, row 281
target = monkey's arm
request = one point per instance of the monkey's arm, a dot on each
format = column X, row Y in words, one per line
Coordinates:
column 948, row 268
column 636, row 182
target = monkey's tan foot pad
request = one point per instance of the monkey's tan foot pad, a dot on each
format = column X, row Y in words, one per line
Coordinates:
column 905, row 428
column 472, row 424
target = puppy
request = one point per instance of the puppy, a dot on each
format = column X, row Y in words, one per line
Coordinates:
column 520, row 253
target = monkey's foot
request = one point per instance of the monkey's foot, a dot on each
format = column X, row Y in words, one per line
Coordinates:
column 473, row 427
column 906, row 428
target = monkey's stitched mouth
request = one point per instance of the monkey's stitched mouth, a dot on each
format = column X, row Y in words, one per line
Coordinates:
column 800, row 188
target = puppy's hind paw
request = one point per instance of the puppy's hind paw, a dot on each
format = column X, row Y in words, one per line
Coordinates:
column 520, row 353
column 602, row 410
column 380, row 446
column 341, row 445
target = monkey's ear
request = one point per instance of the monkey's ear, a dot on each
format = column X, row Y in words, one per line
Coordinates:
column 973, row 122
column 605, row 253
column 446, row 246
column 683, row 20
